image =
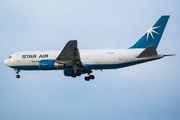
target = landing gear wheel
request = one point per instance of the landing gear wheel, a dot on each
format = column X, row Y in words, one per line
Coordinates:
column 17, row 76
column 91, row 77
column 73, row 75
column 78, row 73
column 87, row 78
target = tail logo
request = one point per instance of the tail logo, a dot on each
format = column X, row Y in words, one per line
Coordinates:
column 153, row 35
column 151, row 31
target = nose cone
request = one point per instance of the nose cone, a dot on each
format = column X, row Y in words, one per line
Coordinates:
column 6, row 62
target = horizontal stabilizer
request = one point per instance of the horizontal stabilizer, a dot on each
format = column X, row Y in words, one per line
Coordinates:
column 148, row 52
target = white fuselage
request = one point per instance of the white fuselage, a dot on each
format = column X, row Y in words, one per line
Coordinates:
column 75, row 62
column 93, row 59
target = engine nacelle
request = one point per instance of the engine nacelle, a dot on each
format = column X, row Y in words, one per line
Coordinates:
column 49, row 65
column 68, row 72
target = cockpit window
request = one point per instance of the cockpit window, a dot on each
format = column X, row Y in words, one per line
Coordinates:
column 9, row 57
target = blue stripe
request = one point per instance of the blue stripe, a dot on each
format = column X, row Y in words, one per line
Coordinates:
column 115, row 66
column 26, row 67
column 89, row 66
column 36, row 67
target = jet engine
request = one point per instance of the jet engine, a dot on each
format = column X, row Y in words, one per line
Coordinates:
column 49, row 65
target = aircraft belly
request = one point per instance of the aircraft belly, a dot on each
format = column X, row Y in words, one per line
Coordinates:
column 119, row 65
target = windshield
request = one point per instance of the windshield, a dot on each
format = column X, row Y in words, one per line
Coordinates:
column 9, row 57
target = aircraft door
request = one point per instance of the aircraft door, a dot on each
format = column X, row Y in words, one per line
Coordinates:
column 18, row 58
column 120, row 57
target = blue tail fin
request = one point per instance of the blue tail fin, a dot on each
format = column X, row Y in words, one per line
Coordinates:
column 153, row 35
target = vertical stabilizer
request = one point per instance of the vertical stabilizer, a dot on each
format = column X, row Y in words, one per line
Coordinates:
column 153, row 34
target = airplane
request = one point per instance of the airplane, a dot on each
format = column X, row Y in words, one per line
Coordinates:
column 76, row 62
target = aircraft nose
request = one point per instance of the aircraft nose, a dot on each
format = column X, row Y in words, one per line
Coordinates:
column 6, row 62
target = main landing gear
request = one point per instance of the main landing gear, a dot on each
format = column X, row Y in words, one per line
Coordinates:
column 17, row 76
column 87, row 78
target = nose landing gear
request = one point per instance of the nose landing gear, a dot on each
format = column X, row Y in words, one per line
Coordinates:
column 17, row 76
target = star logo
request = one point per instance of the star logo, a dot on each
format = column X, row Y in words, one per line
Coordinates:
column 151, row 31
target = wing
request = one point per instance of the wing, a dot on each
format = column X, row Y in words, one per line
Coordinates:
column 70, row 55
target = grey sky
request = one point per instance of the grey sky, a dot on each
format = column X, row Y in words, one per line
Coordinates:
column 142, row 92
